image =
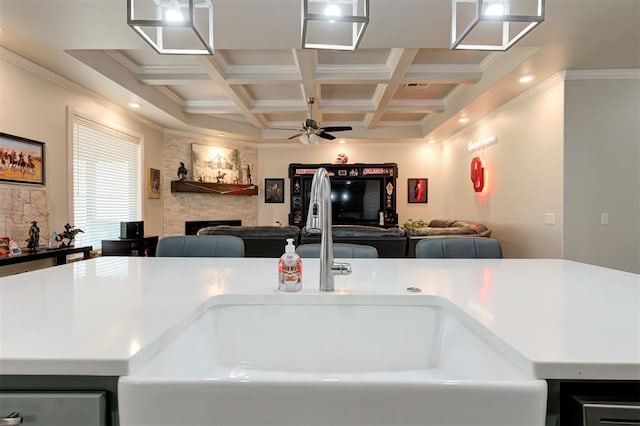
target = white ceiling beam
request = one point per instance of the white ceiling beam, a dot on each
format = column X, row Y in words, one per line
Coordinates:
column 347, row 105
column 421, row 105
column 261, row 74
column 352, row 73
column 214, row 67
column 443, row 73
column 159, row 75
column 307, row 62
column 398, row 63
column 210, row 107
column 267, row 106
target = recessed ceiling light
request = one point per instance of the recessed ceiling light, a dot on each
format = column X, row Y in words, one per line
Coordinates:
column 525, row 78
column 220, row 134
column 342, row 141
column 464, row 119
column 432, row 141
column 134, row 105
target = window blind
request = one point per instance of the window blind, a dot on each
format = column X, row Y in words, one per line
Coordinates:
column 106, row 181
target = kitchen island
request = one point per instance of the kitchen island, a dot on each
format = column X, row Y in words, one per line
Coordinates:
column 568, row 323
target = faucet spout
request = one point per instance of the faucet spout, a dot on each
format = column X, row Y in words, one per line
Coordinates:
column 319, row 219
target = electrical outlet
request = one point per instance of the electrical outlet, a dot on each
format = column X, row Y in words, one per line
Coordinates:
column 549, row 218
column 604, row 219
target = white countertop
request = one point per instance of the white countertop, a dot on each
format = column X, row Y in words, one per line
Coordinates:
column 105, row 316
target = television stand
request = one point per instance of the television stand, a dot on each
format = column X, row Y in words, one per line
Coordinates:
column 360, row 192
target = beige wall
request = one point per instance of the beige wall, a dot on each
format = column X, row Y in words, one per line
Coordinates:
column 419, row 160
column 602, row 172
column 34, row 105
column 524, row 173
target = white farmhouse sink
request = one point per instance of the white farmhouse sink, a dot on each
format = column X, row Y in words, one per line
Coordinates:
column 324, row 363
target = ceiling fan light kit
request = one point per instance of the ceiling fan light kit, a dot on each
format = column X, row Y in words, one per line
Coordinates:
column 334, row 24
column 311, row 132
column 493, row 24
column 174, row 27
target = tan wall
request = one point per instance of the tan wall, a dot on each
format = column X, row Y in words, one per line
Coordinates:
column 33, row 106
column 524, row 171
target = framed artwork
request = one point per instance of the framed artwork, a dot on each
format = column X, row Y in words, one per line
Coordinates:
column 21, row 160
column 417, row 190
column 4, row 246
column 153, row 183
column 215, row 164
column 273, row 190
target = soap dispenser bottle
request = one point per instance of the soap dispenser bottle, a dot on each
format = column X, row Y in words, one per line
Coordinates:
column 290, row 269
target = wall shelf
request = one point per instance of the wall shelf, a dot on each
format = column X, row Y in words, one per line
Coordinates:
column 213, row 188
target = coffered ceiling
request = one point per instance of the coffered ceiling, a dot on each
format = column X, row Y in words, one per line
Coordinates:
column 402, row 84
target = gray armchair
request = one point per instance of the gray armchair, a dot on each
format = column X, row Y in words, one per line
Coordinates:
column 200, row 246
column 459, row 247
column 343, row 250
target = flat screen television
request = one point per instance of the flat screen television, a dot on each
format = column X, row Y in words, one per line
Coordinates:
column 354, row 201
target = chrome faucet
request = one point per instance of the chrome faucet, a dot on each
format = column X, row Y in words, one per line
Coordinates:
column 319, row 219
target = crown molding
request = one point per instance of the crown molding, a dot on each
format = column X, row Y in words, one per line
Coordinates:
column 45, row 74
column 603, row 74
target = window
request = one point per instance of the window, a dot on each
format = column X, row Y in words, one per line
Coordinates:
column 106, row 181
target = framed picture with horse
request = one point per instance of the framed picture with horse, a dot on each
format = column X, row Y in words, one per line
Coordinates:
column 21, row 160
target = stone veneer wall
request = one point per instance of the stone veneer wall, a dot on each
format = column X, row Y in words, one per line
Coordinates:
column 183, row 206
column 18, row 207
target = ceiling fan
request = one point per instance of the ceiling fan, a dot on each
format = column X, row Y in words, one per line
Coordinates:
column 311, row 132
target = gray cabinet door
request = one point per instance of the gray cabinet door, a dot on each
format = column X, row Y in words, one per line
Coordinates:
column 56, row 408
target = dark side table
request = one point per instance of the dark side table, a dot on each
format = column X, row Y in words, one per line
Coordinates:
column 143, row 246
column 59, row 254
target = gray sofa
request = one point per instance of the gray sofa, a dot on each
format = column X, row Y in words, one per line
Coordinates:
column 390, row 242
column 441, row 228
column 269, row 241
column 259, row 241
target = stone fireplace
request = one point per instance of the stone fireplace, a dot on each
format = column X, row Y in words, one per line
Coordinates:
column 181, row 207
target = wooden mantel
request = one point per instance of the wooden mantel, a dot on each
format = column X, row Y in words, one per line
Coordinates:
column 213, row 188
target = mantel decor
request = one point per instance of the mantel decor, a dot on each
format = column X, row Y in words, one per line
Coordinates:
column 21, row 160
column 213, row 188
column 211, row 163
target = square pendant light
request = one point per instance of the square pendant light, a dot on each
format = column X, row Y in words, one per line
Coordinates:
column 174, row 27
column 334, row 24
column 493, row 24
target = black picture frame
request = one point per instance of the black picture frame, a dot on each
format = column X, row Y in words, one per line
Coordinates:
column 22, row 160
column 274, row 190
column 417, row 190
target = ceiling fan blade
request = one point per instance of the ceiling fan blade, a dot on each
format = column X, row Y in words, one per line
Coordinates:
column 294, row 136
column 325, row 135
column 336, row 128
